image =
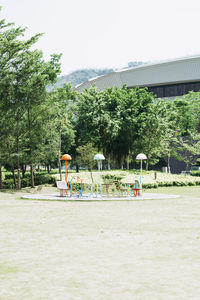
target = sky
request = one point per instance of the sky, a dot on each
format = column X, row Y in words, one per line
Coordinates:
column 108, row 33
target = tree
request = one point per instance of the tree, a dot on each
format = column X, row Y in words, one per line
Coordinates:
column 86, row 155
column 136, row 106
column 24, row 76
column 11, row 49
column 60, row 132
column 190, row 149
column 113, row 119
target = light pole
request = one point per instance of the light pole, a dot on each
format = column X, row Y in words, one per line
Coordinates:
column 99, row 158
column 66, row 157
column 141, row 157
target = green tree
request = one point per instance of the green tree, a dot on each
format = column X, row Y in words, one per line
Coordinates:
column 189, row 149
column 24, row 76
column 86, row 155
column 60, row 114
column 11, row 49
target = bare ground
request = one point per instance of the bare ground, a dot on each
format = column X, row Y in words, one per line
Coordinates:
column 106, row 250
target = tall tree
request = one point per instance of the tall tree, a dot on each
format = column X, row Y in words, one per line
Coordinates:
column 24, row 76
column 60, row 117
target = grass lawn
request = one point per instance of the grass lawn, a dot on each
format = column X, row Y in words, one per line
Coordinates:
column 100, row 250
column 129, row 176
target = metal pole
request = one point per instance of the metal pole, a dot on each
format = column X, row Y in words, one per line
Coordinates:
column 66, row 171
column 141, row 177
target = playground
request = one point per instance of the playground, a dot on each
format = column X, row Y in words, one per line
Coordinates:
column 113, row 190
column 100, row 250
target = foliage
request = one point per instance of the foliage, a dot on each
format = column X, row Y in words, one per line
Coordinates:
column 86, row 155
column 195, row 173
column 26, row 182
column 108, row 178
column 24, row 76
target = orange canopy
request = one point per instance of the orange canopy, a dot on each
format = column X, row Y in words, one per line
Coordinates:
column 66, row 157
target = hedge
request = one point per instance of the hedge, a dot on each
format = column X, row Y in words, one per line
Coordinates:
column 25, row 182
column 195, row 173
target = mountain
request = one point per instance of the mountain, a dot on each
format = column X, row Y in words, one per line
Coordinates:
column 82, row 75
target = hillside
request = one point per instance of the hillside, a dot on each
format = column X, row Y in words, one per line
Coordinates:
column 82, row 75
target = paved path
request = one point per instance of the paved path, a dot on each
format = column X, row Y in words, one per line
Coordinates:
column 57, row 197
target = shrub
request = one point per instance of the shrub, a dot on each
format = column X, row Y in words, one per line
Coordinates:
column 109, row 178
column 8, row 184
column 8, row 176
column 150, row 185
column 44, row 179
column 25, row 182
column 195, row 173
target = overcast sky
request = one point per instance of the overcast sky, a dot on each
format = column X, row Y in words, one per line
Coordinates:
column 109, row 33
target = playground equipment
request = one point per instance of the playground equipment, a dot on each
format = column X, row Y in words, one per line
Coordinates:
column 66, row 157
column 77, row 187
column 141, row 157
column 62, row 186
column 99, row 158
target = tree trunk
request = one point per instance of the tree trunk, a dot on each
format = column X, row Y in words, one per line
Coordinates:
column 48, row 168
column 23, row 170
column 147, row 163
column 77, row 168
column 14, row 178
column 38, row 169
column 109, row 162
column 127, row 163
column 18, row 159
column 168, row 162
column 32, row 175
column 59, row 156
column 18, row 177
column 1, row 186
column 91, row 175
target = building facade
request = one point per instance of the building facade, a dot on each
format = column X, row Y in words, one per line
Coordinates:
column 166, row 79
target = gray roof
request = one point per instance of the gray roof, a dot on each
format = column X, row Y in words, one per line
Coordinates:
column 166, row 72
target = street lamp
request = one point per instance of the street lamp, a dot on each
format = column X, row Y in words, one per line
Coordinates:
column 66, row 157
column 99, row 158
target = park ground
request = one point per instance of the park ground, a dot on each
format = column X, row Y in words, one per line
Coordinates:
column 100, row 250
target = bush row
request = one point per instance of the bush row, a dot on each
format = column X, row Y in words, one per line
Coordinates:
column 110, row 177
column 25, row 182
column 28, row 175
column 170, row 183
column 195, row 173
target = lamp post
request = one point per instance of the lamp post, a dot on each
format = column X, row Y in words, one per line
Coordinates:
column 99, row 158
column 141, row 157
column 66, row 157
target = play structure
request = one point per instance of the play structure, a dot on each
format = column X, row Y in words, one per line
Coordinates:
column 76, row 188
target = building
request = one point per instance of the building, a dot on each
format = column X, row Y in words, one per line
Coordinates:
column 169, row 78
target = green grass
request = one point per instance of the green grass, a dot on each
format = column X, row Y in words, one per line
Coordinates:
column 6, row 269
column 100, row 250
